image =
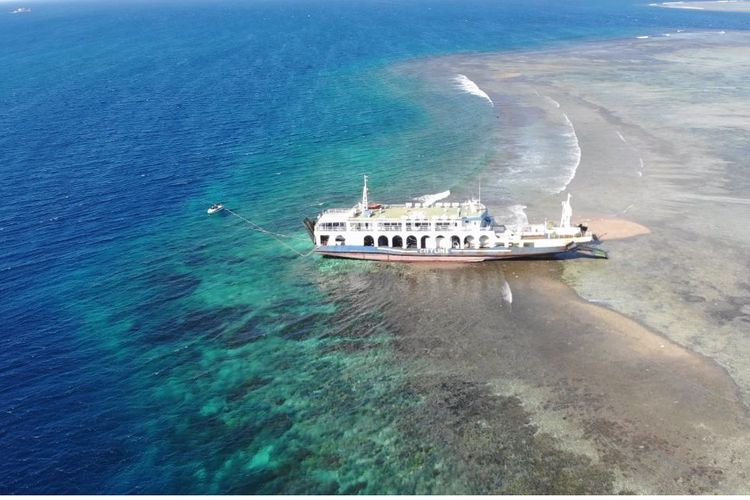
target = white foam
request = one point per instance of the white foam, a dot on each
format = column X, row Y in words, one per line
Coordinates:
column 677, row 5
column 464, row 83
column 429, row 199
column 622, row 137
column 547, row 155
column 506, row 292
column 575, row 155
column 643, row 37
column 552, row 101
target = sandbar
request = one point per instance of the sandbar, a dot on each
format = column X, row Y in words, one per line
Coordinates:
column 612, row 228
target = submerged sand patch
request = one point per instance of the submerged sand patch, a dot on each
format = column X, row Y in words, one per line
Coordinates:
column 605, row 392
column 613, row 229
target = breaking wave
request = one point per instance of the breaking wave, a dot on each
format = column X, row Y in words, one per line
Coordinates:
column 552, row 101
column 469, row 86
column 506, row 292
column 575, row 155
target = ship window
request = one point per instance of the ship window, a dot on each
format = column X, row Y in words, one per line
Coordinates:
column 398, row 242
column 389, row 226
column 383, row 241
column 333, row 226
column 369, row 242
column 411, row 242
column 324, row 240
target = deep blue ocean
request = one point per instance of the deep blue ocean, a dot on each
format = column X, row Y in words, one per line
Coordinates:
column 148, row 348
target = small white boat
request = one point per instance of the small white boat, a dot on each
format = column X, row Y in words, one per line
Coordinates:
column 216, row 207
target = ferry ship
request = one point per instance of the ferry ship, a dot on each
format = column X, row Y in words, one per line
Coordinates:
column 440, row 232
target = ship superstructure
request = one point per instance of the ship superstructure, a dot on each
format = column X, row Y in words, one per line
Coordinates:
column 439, row 231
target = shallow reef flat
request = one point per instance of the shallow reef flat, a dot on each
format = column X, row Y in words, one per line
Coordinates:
column 649, row 379
column 515, row 365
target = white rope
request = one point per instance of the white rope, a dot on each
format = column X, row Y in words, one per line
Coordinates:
column 256, row 226
column 276, row 236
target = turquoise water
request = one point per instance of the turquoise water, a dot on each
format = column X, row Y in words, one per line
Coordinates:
column 149, row 348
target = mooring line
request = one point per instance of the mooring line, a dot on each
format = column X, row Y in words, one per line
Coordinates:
column 277, row 236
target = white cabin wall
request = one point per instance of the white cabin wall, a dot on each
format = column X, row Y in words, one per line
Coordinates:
column 357, row 238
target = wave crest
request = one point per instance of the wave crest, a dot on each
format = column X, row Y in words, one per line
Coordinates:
column 470, row 87
column 575, row 154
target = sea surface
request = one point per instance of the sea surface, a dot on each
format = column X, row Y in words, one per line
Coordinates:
column 146, row 347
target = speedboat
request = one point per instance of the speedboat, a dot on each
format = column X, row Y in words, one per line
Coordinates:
column 216, row 207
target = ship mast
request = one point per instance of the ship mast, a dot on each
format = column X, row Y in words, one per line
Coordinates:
column 365, row 204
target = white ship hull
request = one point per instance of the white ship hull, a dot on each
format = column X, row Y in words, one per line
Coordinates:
column 435, row 255
column 439, row 232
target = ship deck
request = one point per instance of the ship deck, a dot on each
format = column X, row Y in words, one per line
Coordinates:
column 409, row 211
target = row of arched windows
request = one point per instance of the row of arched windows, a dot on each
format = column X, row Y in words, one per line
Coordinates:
column 424, row 242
